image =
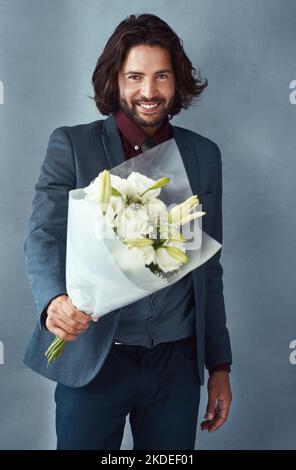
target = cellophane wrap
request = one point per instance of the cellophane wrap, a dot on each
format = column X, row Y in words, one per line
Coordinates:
column 101, row 274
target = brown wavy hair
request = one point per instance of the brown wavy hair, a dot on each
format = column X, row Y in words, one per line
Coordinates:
column 150, row 30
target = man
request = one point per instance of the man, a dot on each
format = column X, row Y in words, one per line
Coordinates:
column 146, row 359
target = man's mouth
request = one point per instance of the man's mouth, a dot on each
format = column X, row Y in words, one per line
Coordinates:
column 148, row 107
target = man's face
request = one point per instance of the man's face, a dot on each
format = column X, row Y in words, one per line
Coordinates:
column 147, row 86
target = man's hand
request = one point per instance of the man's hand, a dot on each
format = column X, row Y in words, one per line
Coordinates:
column 64, row 320
column 219, row 399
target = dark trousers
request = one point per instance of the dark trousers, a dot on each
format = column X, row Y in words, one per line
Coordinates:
column 159, row 387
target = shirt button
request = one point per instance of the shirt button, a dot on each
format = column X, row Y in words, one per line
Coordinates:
column 136, row 147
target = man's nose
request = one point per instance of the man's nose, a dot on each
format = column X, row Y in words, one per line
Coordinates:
column 149, row 89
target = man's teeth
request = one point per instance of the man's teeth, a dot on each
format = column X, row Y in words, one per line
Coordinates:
column 148, row 106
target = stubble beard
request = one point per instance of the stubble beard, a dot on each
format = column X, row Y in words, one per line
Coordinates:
column 134, row 116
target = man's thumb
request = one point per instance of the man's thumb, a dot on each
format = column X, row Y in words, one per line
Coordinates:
column 210, row 413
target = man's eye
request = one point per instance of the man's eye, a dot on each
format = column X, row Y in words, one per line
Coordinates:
column 134, row 77
column 162, row 76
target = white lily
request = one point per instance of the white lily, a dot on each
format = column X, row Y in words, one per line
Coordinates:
column 132, row 223
column 115, row 206
column 100, row 190
column 170, row 258
column 118, row 186
column 146, row 254
column 183, row 213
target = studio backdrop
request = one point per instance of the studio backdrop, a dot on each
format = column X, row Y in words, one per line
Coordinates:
column 246, row 50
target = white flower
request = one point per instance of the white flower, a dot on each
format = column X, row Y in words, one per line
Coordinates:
column 166, row 262
column 93, row 190
column 185, row 212
column 145, row 254
column 100, row 190
column 119, row 184
column 155, row 208
column 132, row 223
column 137, row 183
column 116, row 205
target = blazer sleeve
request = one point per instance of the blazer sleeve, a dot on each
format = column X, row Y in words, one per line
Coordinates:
column 45, row 245
column 217, row 341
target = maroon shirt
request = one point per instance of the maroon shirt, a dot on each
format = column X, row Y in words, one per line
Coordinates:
column 133, row 137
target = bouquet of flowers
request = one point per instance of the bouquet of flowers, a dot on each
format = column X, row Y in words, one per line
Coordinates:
column 133, row 231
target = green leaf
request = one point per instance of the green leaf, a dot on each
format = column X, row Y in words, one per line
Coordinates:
column 114, row 192
column 158, row 184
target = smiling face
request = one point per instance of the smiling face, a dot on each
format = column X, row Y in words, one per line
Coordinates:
column 147, row 86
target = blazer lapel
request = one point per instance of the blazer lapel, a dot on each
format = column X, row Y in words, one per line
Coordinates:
column 190, row 162
column 112, row 143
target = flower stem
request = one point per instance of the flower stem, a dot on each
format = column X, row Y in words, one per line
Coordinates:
column 55, row 350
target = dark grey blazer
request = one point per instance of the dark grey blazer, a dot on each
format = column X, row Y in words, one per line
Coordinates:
column 74, row 157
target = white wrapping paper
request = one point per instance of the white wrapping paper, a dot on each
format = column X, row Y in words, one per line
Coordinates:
column 101, row 273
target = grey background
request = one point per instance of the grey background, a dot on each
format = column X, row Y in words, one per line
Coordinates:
column 246, row 49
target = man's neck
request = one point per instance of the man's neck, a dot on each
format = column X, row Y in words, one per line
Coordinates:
column 150, row 131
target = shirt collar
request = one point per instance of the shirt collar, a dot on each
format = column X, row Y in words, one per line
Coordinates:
column 135, row 135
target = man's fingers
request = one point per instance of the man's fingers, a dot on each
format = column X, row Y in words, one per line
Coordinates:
column 68, row 328
column 66, row 332
column 211, row 407
column 60, row 333
column 224, row 407
column 62, row 314
column 222, row 411
column 217, row 423
column 74, row 314
column 204, row 425
column 79, row 327
column 210, row 419
column 213, row 424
